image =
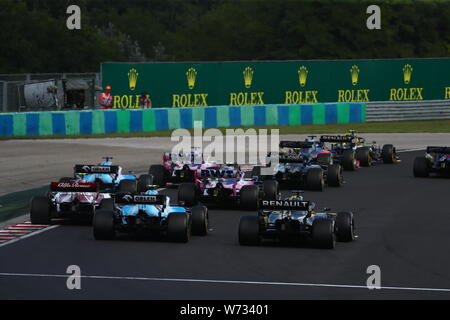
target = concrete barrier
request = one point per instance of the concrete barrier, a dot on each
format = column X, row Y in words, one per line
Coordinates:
column 147, row 120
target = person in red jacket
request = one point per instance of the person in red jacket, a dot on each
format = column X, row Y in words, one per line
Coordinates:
column 106, row 99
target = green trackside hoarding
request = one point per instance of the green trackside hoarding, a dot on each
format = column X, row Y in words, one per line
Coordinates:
column 277, row 82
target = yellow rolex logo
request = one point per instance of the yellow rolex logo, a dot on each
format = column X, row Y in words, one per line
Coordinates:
column 354, row 71
column 133, row 78
column 302, row 75
column 248, row 77
column 407, row 72
column 191, row 76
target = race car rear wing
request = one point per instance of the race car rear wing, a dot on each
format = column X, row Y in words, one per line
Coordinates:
column 337, row 139
column 130, row 199
column 96, row 169
column 441, row 150
column 296, row 144
column 284, row 205
column 74, row 187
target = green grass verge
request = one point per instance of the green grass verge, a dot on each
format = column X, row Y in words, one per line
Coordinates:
column 368, row 127
column 18, row 203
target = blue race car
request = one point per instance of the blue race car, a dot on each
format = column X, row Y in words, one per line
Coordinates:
column 110, row 177
column 149, row 213
column 294, row 219
column 436, row 160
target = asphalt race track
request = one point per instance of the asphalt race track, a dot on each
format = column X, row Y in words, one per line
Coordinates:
column 403, row 225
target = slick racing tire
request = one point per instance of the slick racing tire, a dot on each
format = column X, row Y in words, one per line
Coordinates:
column 200, row 221
column 388, row 154
column 315, row 180
column 334, row 175
column 128, row 186
column 107, row 204
column 349, row 160
column 178, row 228
column 364, row 156
column 144, row 182
column 249, row 231
column 159, row 175
column 345, row 225
column 256, row 171
column 271, row 190
column 187, row 193
column 323, row 234
column 324, row 159
column 420, row 168
column 103, row 224
column 40, row 210
column 249, row 198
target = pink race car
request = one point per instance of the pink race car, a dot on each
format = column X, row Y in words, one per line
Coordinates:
column 227, row 185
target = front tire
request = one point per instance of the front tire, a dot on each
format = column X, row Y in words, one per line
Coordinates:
column 178, row 229
column 144, row 182
column 40, row 210
column 388, row 154
column 249, row 231
column 349, row 160
column 128, row 186
column 200, row 221
column 159, row 175
column 323, row 233
column 103, row 224
column 345, row 225
column 421, row 167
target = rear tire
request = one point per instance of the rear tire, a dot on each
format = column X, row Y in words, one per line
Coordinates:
column 103, row 224
column 334, row 175
column 388, row 154
column 178, row 229
column 421, row 167
column 315, row 180
column 364, row 156
column 187, row 192
column 345, row 225
column 349, row 160
column 128, row 186
column 323, row 234
column 40, row 210
column 200, row 221
column 144, row 181
column 249, row 198
column 249, row 231
column 159, row 175
column 271, row 190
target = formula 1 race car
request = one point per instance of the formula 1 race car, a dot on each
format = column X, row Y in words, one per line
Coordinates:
column 352, row 151
column 150, row 213
column 436, row 160
column 179, row 168
column 295, row 219
column 78, row 199
column 228, row 186
column 110, row 178
column 308, row 170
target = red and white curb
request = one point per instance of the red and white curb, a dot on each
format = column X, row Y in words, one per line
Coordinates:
column 21, row 231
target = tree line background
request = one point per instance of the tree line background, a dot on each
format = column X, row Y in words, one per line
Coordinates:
column 34, row 36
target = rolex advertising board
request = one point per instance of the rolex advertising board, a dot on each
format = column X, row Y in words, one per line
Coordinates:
column 278, row 82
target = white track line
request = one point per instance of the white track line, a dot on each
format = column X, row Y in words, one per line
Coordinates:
column 28, row 235
column 264, row 283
